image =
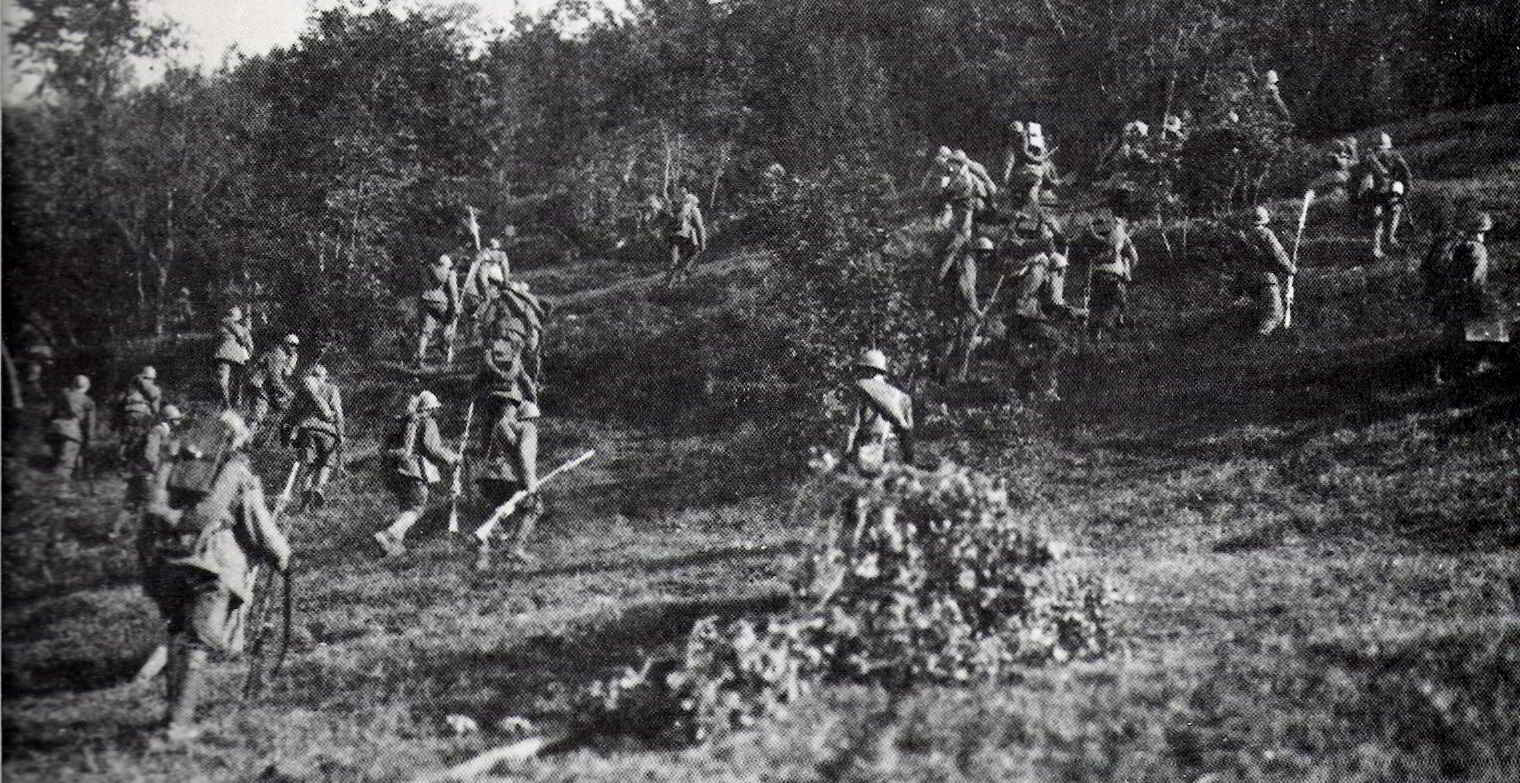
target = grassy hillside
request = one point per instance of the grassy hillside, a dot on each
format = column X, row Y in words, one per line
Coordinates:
column 1320, row 550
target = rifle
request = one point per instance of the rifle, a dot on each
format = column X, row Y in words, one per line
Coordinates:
column 464, row 442
column 254, row 681
column 474, row 225
column 1288, row 292
column 483, row 533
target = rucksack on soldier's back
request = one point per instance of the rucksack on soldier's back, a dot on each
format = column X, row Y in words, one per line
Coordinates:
column 199, row 483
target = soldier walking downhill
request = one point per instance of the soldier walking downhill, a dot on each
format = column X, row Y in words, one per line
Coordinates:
column 270, row 382
column 158, row 444
column 207, row 525
column 319, row 433
column 438, row 306
column 881, row 417
column 510, row 465
column 1268, row 268
column 232, row 354
column 416, row 449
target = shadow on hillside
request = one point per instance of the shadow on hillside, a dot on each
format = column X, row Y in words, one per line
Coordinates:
column 516, row 680
column 69, row 674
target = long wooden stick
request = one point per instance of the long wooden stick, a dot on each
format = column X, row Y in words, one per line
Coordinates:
column 1288, row 292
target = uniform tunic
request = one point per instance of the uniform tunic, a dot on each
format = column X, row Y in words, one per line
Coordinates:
column 883, row 414
column 319, row 421
column 418, row 449
column 70, row 424
column 236, row 346
column 1112, row 272
column 201, row 576
column 1267, row 267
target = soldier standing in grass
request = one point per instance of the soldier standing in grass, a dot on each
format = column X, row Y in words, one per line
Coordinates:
column 232, row 353
column 438, row 305
column 510, row 466
column 961, row 194
column 417, row 449
column 1267, row 269
column 144, row 457
column 319, row 432
column 71, row 425
column 207, row 524
column 687, row 235
column 1456, row 273
column 1112, row 272
column 270, row 382
column 1038, row 300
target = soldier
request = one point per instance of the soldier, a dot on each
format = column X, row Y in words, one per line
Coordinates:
column 144, row 457
column 234, row 351
column 1028, row 167
column 270, row 382
column 520, row 318
column 417, row 448
column 1339, row 163
column 438, row 306
column 510, row 467
column 687, row 235
column 492, row 272
column 1275, row 97
column 505, row 377
column 1038, row 300
column 71, row 426
column 1110, row 275
column 1172, row 132
column 36, row 354
column 960, row 309
column 1267, row 269
column 1456, row 273
column 1385, row 181
column 961, row 192
column 319, row 432
column 882, row 413
column 207, row 523
column 136, row 410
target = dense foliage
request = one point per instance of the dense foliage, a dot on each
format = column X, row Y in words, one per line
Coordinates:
column 316, row 176
column 913, row 577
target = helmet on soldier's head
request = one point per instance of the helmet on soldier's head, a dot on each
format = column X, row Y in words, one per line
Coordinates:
column 443, row 261
column 1017, row 126
column 1171, row 122
column 425, row 401
column 943, row 153
column 984, row 245
column 291, row 339
column 82, row 382
column 1137, row 128
column 171, row 412
column 528, row 410
column 1385, row 142
column 1272, row 78
column 148, row 373
column 1478, row 223
column 873, row 359
column 1036, row 134
column 1259, row 216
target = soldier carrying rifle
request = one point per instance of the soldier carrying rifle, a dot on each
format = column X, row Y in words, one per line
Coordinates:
column 206, row 528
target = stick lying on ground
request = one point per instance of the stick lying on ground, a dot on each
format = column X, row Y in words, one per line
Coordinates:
column 522, row 750
column 483, row 533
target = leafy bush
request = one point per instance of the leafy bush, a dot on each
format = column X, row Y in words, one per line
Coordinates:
column 942, row 581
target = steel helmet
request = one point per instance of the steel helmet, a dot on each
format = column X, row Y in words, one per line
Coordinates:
column 425, row 401
column 1385, row 142
column 171, row 412
column 1398, row 187
column 1137, row 128
column 148, row 373
column 528, row 410
column 1259, row 216
column 873, row 359
column 1171, row 123
column 443, row 261
column 984, row 244
column 291, row 339
column 1478, row 223
column 1272, row 78
column 943, row 153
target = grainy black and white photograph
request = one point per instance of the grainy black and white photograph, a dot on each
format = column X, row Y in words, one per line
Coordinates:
column 761, row 391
